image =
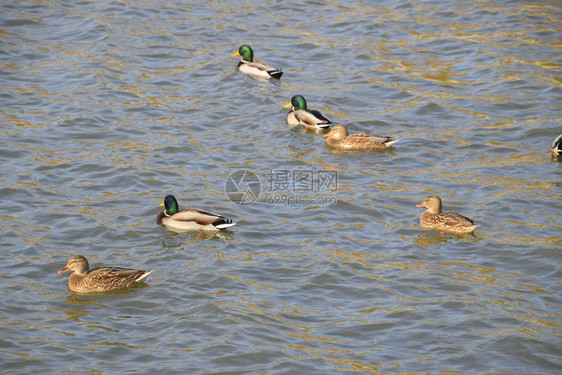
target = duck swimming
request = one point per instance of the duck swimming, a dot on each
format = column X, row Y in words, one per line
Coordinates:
column 339, row 137
column 189, row 218
column 301, row 115
column 448, row 221
column 102, row 279
column 248, row 66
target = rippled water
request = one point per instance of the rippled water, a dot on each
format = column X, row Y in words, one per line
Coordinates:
column 108, row 106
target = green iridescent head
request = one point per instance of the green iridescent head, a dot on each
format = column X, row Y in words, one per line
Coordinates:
column 246, row 53
column 171, row 205
column 298, row 102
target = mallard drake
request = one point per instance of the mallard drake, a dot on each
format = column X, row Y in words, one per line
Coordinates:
column 100, row 279
column 189, row 218
column 338, row 137
column 301, row 115
column 248, row 66
column 434, row 218
column 556, row 148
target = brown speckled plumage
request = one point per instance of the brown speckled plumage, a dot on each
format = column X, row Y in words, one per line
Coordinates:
column 448, row 221
column 100, row 279
column 338, row 137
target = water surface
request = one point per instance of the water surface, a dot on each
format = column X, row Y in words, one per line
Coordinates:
column 109, row 106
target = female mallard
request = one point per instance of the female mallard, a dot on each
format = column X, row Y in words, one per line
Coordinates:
column 556, row 148
column 100, row 279
column 248, row 66
column 301, row 115
column 338, row 137
column 448, row 221
column 189, row 218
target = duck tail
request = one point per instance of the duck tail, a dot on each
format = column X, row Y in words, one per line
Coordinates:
column 224, row 223
column 144, row 276
column 390, row 142
column 277, row 73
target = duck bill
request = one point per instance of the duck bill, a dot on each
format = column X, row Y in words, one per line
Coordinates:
column 162, row 204
column 236, row 54
column 329, row 134
column 64, row 270
column 420, row 205
column 288, row 105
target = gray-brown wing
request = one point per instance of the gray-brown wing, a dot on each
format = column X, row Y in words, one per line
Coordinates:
column 199, row 216
column 320, row 116
column 453, row 218
column 311, row 118
column 115, row 277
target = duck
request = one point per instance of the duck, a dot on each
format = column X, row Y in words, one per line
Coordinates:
column 339, row 137
column 248, row 66
column 190, row 218
column 101, row 279
column 301, row 115
column 556, row 148
column 448, row 221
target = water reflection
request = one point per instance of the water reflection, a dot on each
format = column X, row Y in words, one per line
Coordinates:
column 106, row 105
column 427, row 240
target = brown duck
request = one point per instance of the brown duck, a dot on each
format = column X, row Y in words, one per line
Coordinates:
column 448, row 221
column 100, row 279
column 339, row 137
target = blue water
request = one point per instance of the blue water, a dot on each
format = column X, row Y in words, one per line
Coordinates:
column 109, row 106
